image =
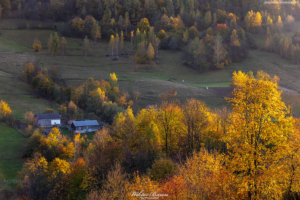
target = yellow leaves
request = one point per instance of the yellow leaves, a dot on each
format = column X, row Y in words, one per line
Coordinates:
column 113, row 77
column 40, row 163
column 259, row 128
column 37, row 45
column 77, row 23
column 54, row 136
column 143, row 185
column 5, row 109
column 58, row 165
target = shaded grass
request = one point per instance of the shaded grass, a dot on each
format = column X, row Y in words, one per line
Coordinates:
column 12, row 145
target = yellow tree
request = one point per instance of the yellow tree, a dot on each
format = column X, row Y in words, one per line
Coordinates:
column 290, row 167
column 258, row 133
column 198, row 120
column 279, row 24
column 150, row 52
column 257, row 20
column 234, row 39
column 58, row 165
column 5, row 109
column 37, row 45
column 206, row 177
column 28, row 72
column 54, row 136
column 112, row 44
column 171, row 127
column 95, row 30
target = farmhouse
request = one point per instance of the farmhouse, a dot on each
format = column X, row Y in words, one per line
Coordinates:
column 47, row 131
column 85, row 126
column 47, row 120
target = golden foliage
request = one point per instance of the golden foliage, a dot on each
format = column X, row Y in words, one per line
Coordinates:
column 5, row 109
column 37, row 45
column 258, row 133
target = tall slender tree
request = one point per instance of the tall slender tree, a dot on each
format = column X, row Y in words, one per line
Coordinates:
column 55, row 43
column 86, row 45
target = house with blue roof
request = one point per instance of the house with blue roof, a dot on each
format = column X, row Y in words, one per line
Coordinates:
column 85, row 126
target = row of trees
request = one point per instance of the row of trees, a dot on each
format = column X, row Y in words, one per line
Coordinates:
column 248, row 152
column 100, row 98
column 284, row 45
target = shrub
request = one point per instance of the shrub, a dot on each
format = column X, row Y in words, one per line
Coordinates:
column 162, row 168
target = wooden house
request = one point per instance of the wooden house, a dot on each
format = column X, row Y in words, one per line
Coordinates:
column 48, row 119
column 85, row 126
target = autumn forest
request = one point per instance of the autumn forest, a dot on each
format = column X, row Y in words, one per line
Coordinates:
column 229, row 130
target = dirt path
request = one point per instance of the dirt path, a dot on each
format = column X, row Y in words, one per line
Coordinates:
column 288, row 90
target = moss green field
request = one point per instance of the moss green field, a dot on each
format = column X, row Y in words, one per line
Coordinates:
column 11, row 149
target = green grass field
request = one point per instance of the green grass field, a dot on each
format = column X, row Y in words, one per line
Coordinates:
column 11, row 149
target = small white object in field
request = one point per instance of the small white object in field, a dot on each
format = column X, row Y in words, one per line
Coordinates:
column 207, row 88
column 183, row 81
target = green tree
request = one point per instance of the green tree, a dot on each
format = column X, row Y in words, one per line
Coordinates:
column 193, row 32
column 96, row 32
column 55, row 43
column 197, row 49
column 144, row 25
column 173, row 44
column 207, row 19
column 126, row 21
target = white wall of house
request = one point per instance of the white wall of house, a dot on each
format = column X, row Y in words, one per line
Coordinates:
column 55, row 122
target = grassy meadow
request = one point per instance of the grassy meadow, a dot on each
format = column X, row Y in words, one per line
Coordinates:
column 11, row 149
